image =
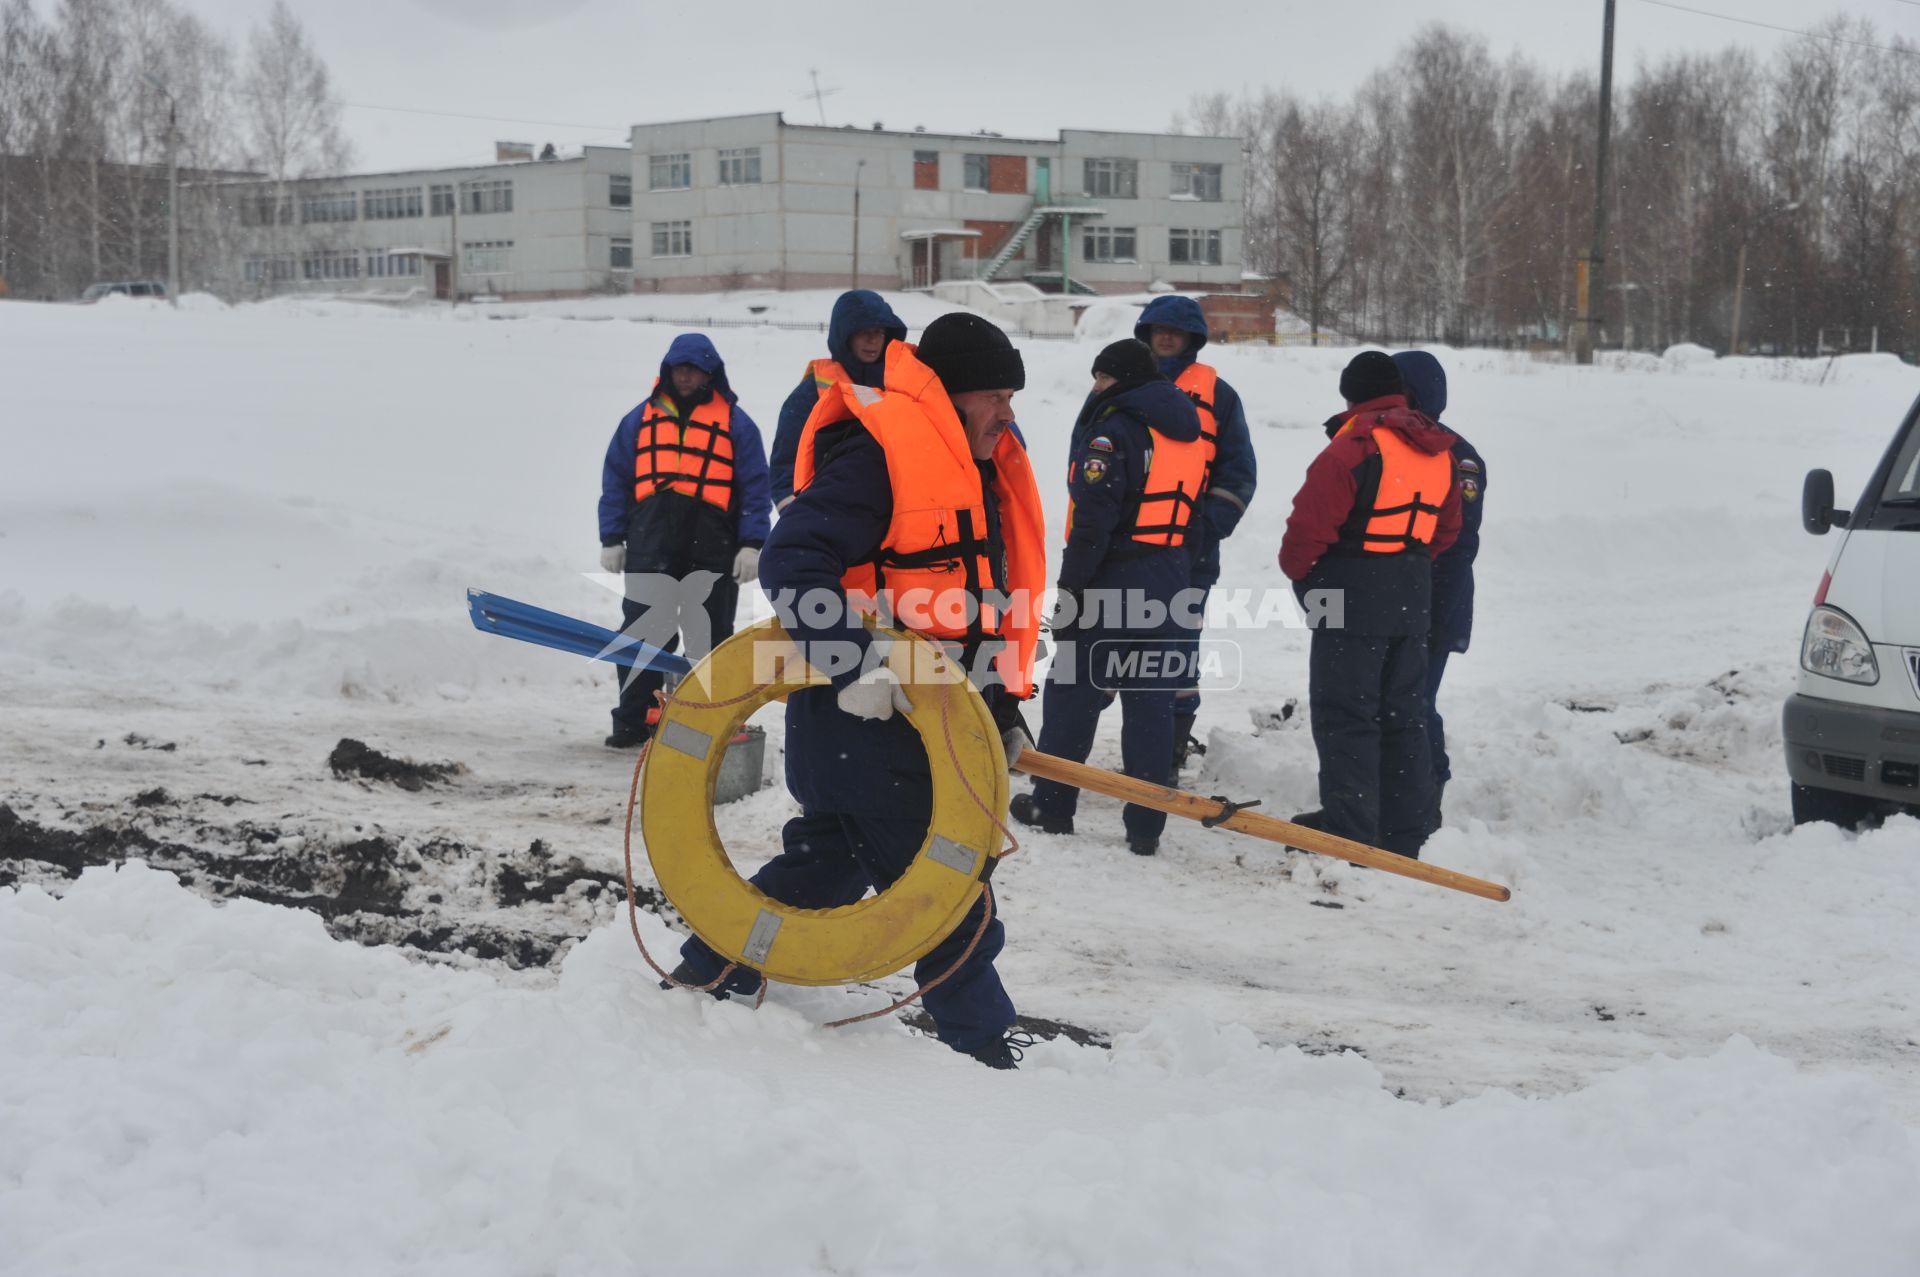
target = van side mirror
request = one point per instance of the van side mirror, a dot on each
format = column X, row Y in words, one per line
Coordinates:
column 1817, row 514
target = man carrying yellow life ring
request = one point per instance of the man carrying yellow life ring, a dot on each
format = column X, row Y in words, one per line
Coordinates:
column 918, row 501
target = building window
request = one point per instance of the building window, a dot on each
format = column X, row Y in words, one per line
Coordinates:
column 673, row 239
column 973, row 173
column 1193, row 247
column 269, row 268
column 384, row 265
column 265, row 210
column 329, row 206
column 1110, row 243
column 620, row 254
column 926, row 170
column 440, row 200
column 486, row 256
column 670, row 172
column 330, row 263
column 495, row 196
column 1196, row 182
column 1113, row 179
column 391, row 204
column 740, row 166
column 620, row 190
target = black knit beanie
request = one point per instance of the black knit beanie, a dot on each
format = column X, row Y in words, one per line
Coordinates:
column 1128, row 361
column 968, row 353
column 1370, row 375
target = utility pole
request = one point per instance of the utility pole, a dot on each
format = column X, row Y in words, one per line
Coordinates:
column 173, row 204
column 856, row 223
column 173, row 188
column 1588, row 274
column 1739, row 285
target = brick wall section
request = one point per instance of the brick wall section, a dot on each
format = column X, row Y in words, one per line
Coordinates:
column 1230, row 316
column 993, row 235
column 1007, row 174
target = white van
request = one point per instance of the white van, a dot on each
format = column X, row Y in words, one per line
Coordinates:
column 1853, row 728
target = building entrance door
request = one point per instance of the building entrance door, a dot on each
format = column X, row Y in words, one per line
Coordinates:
column 1043, row 180
column 442, row 280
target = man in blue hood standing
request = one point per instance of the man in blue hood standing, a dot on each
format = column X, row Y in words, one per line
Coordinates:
column 1175, row 329
column 684, row 510
column 1137, row 465
column 1452, row 604
column 857, row 335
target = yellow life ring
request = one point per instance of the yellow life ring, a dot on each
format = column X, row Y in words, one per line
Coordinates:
column 873, row 937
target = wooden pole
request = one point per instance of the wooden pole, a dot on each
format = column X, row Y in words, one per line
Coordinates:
column 1178, row 802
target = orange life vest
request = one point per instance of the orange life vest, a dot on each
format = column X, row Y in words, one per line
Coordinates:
column 693, row 457
column 1413, row 486
column 828, row 407
column 935, row 568
column 1201, row 382
column 826, row 373
column 1176, row 475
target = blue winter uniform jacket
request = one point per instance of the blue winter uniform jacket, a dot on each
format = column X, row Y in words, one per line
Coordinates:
column 835, row 762
column 1109, row 455
column 669, row 531
column 852, row 311
column 1452, row 626
column 1235, row 473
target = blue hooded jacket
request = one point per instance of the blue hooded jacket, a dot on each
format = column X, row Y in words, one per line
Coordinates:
column 1453, row 571
column 852, row 311
column 1235, row 473
column 751, row 513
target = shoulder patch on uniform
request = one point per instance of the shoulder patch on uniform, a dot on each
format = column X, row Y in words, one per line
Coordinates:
column 1469, row 490
column 1468, row 466
column 1094, row 470
column 1099, row 443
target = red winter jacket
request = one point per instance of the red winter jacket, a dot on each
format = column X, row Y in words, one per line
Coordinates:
column 1348, row 469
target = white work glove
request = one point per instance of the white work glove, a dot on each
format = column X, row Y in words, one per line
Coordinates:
column 1015, row 742
column 613, row 558
column 875, row 695
column 746, row 564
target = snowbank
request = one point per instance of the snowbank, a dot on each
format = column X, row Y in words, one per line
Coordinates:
column 333, row 1109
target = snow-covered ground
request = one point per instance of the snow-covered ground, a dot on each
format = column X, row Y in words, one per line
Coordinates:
column 231, row 538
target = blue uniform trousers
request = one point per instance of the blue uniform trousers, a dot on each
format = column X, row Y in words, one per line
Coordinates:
column 1437, row 654
column 1072, row 702
column 1368, row 697
column 830, row 859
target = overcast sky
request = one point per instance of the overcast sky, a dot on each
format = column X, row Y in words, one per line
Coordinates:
column 581, row 71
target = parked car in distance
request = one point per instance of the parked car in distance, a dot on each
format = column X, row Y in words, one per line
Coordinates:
column 125, row 288
column 1852, row 728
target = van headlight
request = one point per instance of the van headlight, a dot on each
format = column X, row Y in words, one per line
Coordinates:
column 1837, row 648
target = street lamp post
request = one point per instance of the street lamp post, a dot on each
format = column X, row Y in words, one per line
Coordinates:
column 856, row 223
column 173, row 191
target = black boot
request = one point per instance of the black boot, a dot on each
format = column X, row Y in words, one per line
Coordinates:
column 1024, row 809
column 1143, row 846
column 1004, row 1052
column 684, row 976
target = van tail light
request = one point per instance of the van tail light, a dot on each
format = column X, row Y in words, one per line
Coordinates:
column 1820, row 595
